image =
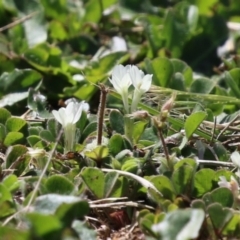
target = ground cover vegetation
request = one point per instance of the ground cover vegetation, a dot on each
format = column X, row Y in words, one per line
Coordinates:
column 119, row 119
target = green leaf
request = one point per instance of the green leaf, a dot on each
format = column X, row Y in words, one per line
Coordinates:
column 13, row 233
column 98, row 153
column 223, row 172
column 178, row 82
column 40, row 228
column 203, row 181
column 182, row 180
column 17, row 158
column 120, row 188
column 57, row 30
column 83, row 231
column 32, row 140
column 232, row 80
column 54, row 128
column 181, row 67
column 220, row 195
column 164, row 185
column 5, row 194
column 94, row 180
column 13, row 138
column 19, row 79
column 180, row 224
column 199, row 204
column 186, row 161
column 59, row 184
column 4, row 115
column 116, row 144
column 90, row 128
column 202, row 85
column 116, row 121
column 232, row 229
column 138, row 129
column 193, row 122
column 47, row 136
column 219, row 216
column 15, row 124
column 162, row 70
column 3, row 132
column 131, row 165
column 11, row 182
column 34, row 130
column 55, row 9
column 12, row 98
column 48, row 203
column 110, row 181
column 7, row 208
column 13, row 153
column 205, row 6
column 68, row 212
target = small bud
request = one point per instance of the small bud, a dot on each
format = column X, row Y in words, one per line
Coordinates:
column 168, row 105
column 139, row 115
column 164, row 114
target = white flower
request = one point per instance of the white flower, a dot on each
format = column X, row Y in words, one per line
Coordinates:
column 68, row 117
column 141, row 83
column 232, row 185
column 121, row 81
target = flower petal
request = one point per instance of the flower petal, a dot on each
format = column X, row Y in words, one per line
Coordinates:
column 146, row 82
column 56, row 115
column 63, row 116
column 120, row 79
column 136, row 76
column 77, row 112
column 119, row 71
column 70, row 112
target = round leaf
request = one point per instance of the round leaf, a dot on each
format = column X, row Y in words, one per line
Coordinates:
column 94, row 180
column 59, row 184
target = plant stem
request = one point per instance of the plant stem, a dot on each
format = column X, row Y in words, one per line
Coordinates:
column 101, row 111
column 160, row 134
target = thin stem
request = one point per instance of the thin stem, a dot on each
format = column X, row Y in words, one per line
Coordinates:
column 69, row 137
column 135, row 100
column 125, row 102
column 18, row 21
column 101, row 111
column 160, row 134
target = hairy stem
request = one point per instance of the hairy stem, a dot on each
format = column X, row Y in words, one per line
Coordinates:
column 101, row 111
